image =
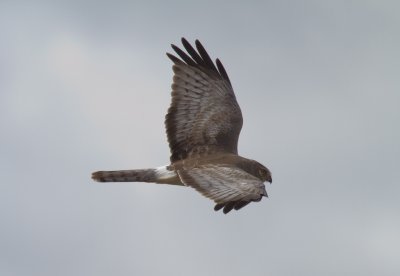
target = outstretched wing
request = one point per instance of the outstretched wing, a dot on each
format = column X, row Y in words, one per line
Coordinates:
column 204, row 116
column 230, row 187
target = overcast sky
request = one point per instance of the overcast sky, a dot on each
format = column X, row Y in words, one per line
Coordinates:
column 85, row 85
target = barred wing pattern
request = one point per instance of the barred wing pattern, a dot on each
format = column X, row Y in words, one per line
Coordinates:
column 230, row 187
column 204, row 116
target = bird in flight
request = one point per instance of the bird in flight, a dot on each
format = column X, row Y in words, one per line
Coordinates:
column 203, row 124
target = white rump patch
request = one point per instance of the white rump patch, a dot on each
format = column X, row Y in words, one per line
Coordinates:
column 163, row 174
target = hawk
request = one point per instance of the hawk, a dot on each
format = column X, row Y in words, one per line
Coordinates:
column 203, row 124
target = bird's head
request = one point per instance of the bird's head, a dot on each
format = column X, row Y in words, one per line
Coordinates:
column 263, row 173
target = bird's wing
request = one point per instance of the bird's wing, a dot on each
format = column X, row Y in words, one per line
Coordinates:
column 230, row 187
column 204, row 116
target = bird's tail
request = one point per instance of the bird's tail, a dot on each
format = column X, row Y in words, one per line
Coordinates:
column 145, row 175
column 161, row 175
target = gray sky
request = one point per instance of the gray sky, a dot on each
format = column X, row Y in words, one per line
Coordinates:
column 85, row 86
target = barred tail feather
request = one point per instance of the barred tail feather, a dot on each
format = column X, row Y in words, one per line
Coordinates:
column 160, row 175
column 145, row 175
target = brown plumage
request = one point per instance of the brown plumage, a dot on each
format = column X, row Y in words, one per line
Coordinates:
column 203, row 124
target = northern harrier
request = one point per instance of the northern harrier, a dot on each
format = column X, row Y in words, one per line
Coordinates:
column 203, row 126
